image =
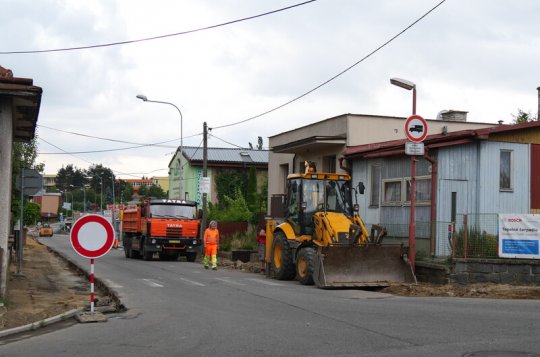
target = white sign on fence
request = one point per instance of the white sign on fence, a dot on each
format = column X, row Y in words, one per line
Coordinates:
column 519, row 236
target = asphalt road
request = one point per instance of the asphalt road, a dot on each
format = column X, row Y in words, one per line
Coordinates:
column 180, row 309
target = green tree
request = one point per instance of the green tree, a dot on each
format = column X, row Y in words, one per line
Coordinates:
column 32, row 213
column 523, row 117
column 23, row 156
column 227, row 183
column 70, row 177
column 156, row 191
column 126, row 191
column 232, row 209
column 143, row 191
column 101, row 180
column 252, row 189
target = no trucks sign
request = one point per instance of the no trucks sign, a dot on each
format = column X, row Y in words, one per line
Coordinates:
column 92, row 236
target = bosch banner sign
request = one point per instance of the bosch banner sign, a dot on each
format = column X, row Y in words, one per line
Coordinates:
column 519, row 236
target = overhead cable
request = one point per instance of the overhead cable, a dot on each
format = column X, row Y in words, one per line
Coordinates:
column 155, row 37
column 337, row 75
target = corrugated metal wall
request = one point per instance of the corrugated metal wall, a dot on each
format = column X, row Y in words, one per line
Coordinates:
column 391, row 168
column 535, row 178
column 458, row 168
column 491, row 199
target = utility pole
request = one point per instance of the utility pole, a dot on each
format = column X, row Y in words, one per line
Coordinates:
column 205, row 173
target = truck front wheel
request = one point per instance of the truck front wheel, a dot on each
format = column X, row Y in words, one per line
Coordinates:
column 145, row 254
column 191, row 256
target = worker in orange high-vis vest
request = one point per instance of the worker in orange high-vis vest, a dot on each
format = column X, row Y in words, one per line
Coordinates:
column 211, row 244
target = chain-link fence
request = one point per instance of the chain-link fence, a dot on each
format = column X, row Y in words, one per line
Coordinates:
column 475, row 236
column 472, row 235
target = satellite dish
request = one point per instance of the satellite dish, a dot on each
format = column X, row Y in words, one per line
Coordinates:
column 439, row 115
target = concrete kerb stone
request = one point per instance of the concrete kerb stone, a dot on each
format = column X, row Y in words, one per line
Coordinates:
column 79, row 314
column 42, row 323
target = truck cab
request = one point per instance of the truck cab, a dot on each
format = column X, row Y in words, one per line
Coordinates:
column 164, row 226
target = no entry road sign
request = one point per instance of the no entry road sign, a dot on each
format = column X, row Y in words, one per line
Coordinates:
column 416, row 128
column 92, row 236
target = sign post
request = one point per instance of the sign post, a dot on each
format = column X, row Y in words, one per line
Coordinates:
column 92, row 236
column 416, row 130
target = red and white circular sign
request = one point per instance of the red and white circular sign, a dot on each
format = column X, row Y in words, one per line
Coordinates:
column 92, row 236
column 416, row 128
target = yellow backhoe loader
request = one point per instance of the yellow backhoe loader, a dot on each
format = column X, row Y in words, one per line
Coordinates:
column 323, row 241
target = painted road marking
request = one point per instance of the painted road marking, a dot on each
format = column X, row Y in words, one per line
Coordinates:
column 192, row 282
column 265, row 282
column 226, row 280
column 152, row 283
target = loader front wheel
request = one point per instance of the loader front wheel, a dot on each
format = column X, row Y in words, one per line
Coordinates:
column 305, row 265
column 282, row 262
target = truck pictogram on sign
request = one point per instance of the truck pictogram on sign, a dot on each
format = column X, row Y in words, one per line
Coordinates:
column 416, row 128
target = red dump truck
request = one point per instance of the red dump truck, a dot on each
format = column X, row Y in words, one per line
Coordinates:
column 167, row 227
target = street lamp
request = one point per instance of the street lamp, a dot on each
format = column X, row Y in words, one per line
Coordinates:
column 145, row 99
column 83, row 187
column 403, row 83
column 100, row 191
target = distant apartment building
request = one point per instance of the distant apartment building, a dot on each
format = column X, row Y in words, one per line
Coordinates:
column 162, row 182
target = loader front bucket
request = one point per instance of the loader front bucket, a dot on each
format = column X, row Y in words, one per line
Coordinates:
column 361, row 266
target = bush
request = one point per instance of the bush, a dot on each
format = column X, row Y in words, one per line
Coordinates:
column 479, row 244
column 234, row 209
column 240, row 240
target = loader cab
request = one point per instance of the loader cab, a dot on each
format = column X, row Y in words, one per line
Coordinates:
column 311, row 193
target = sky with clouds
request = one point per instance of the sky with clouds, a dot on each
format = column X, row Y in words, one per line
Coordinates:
column 478, row 56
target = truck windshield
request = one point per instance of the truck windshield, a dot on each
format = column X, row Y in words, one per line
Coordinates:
column 173, row 211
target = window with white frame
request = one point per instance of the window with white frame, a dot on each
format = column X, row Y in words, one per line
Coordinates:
column 375, row 185
column 423, row 189
column 505, row 171
column 398, row 191
column 391, row 192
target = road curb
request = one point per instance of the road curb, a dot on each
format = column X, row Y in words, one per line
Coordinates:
column 71, row 313
column 42, row 323
column 97, row 281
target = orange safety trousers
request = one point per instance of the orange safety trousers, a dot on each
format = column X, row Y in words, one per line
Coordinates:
column 211, row 249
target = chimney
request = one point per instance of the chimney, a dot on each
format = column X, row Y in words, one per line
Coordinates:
column 538, row 113
column 453, row 115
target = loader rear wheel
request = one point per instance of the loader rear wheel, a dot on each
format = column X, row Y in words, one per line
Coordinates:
column 305, row 265
column 282, row 262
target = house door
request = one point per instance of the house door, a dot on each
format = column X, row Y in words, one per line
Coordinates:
column 452, row 202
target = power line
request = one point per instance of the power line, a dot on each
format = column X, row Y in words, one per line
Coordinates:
column 107, row 139
column 138, row 145
column 92, row 163
column 225, row 141
column 156, row 37
column 337, row 75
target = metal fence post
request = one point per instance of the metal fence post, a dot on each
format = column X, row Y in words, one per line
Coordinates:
column 465, row 233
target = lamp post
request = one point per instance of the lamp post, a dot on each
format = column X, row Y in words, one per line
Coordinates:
column 71, row 207
column 403, row 83
column 100, row 191
column 145, row 99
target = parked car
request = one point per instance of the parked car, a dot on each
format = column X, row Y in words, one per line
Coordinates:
column 46, row 230
column 68, row 222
